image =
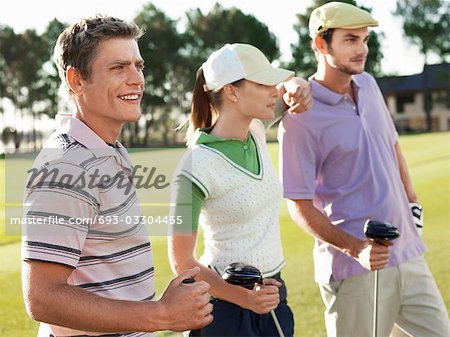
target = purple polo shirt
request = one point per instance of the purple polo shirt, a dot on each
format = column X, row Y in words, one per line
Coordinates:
column 342, row 156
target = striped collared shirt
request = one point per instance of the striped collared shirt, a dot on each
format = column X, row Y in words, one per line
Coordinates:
column 83, row 212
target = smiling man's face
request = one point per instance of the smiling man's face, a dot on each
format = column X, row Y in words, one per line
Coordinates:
column 112, row 94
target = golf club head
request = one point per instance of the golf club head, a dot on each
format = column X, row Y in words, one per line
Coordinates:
column 242, row 274
column 380, row 231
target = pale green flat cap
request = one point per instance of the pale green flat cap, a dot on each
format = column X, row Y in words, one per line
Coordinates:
column 338, row 15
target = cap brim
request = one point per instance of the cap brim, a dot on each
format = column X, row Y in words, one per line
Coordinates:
column 362, row 25
column 355, row 26
column 270, row 76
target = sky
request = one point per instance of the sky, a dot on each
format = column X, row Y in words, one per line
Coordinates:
column 400, row 57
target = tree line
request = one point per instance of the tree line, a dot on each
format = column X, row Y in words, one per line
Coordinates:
column 29, row 80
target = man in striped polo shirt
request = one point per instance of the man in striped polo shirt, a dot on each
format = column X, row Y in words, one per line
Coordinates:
column 87, row 261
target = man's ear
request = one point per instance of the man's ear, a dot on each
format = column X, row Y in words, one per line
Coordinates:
column 320, row 44
column 74, row 80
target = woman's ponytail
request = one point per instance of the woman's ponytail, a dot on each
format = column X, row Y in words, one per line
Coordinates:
column 203, row 114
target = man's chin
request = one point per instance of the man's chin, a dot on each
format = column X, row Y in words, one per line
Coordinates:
column 352, row 70
column 355, row 71
column 358, row 70
column 134, row 118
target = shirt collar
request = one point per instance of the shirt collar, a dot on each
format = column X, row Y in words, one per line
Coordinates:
column 327, row 96
column 356, row 82
column 67, row 124
column 203, row 136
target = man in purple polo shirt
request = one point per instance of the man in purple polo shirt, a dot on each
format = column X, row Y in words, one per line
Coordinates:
column 342, row 164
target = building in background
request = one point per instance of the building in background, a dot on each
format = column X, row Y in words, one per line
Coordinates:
column 407, row 98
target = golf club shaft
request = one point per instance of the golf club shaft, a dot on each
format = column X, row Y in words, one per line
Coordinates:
column 375, row 305
column 277, row 324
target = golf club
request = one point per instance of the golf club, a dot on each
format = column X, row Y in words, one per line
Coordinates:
column 378, row 232
column 247, row 276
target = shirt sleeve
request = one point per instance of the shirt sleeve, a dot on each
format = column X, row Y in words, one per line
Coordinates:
column 392, row 132
column 58, row 214
column 189, row 200
column 298, row 159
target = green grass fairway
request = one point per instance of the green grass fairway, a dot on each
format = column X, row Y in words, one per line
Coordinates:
column 428, row 156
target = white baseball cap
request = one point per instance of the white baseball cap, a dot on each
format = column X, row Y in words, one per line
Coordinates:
column 238, row 61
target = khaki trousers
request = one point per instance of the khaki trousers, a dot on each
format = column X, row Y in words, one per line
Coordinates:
column 409, row 304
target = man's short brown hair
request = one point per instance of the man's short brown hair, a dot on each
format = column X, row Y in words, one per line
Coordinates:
column 327, row 36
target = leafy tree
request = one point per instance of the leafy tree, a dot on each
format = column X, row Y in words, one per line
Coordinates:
column 49, row 77
column 8, row 134
column 220, row 26
column 8, row 53
column 9, row 84
column 426, row 23
column 173, row 58
column 22, row 57
column 304, row 61
column 165, row 79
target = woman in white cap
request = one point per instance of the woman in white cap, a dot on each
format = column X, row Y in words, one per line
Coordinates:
column 226, row 183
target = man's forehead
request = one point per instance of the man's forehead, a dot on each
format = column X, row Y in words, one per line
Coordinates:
column 352, row 32
column 122, row 49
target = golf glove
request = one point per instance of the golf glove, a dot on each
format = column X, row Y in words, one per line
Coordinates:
column 417, row 213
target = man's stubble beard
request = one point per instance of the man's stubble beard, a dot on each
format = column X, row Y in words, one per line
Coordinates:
column 343, row 68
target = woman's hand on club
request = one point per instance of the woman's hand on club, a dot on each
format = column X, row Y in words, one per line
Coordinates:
column 264, row 298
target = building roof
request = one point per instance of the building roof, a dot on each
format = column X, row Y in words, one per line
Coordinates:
column 437, row 76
